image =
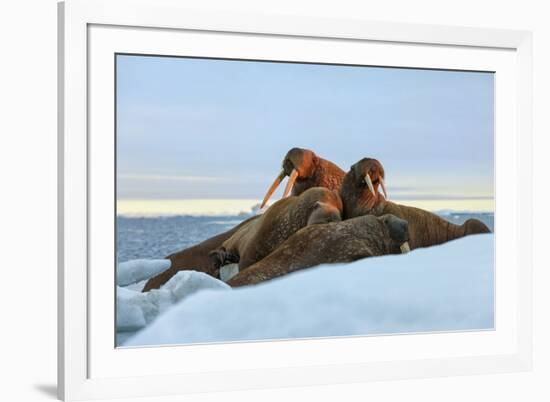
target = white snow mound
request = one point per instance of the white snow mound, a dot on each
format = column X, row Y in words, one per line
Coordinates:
column 135, row 309
column 442, row 288
column 134, row 271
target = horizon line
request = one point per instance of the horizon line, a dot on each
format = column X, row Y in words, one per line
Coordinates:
column 235, row 207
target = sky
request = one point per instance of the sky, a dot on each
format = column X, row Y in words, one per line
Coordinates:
column 194, row 129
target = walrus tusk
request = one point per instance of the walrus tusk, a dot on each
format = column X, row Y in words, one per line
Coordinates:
column 384, row 188
column 290, row 184
column 273, row 187
column 369, row 184
column 405, row 247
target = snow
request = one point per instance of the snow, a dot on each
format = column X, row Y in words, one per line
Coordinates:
column 442, row 288
column 135, row 309
column 137, row 270
column 130, row 314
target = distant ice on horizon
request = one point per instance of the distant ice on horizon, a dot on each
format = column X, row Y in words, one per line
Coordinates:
column 240, row 207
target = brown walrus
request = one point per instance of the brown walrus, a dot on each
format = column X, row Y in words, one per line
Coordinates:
column 306, row 170
column 345, row 241
column 360, row 196
column 194, row 258
column 260, row 237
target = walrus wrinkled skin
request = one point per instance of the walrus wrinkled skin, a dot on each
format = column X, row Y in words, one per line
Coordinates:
column 194, row 258
column 306, row 170
column 425, row 228
column 260, row 237
column 345, row 241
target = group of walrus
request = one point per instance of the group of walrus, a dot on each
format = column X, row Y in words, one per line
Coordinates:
column 330, row 216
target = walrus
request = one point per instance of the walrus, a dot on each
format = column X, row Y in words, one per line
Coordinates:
column 305, row 170
column 360, row 196
column 345, row 241
column 257, row 239
column 194, row 258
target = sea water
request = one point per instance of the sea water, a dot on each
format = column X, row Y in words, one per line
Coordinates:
column 157, row 237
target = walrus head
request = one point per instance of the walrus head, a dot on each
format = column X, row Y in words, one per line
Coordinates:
column 399, row 232
column 298, row 163
column 360, row 189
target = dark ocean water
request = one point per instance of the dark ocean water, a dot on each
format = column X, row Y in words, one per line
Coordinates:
column 156, row 237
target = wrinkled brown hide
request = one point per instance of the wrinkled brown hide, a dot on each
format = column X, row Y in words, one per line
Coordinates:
column 256, row 239
column 425, row 228
column 196, row 258
column 345, row 241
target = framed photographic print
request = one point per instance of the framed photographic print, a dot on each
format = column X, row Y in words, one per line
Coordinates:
column 252, row 201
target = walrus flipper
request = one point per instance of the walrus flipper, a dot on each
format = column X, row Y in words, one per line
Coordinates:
column 222, row 257
column 475, row 226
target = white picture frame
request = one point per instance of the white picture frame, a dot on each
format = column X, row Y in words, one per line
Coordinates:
column 89, row 367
